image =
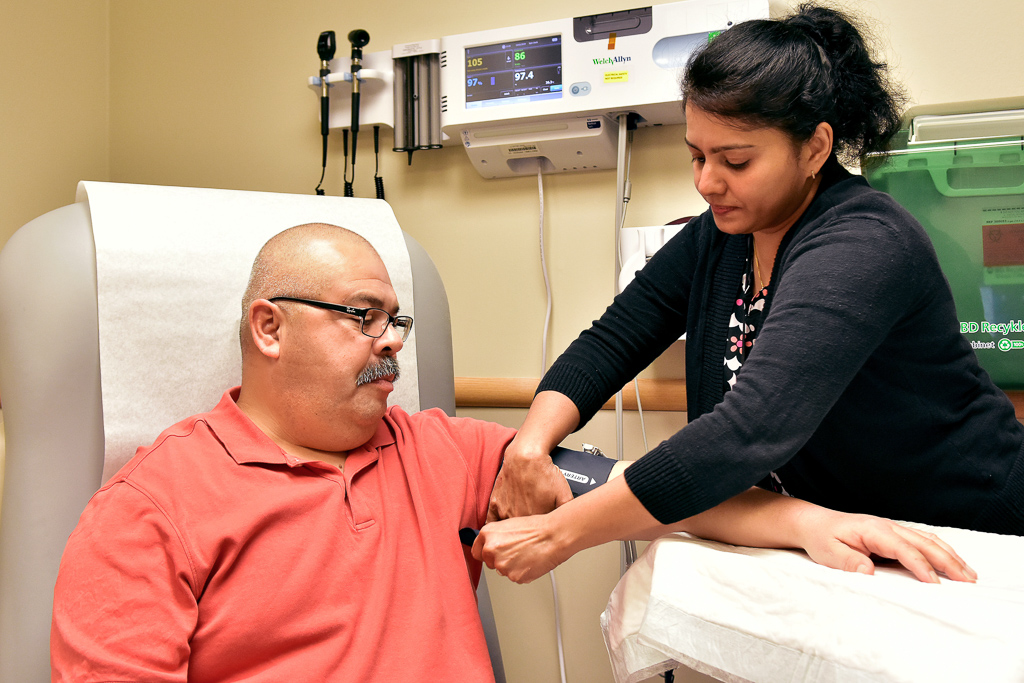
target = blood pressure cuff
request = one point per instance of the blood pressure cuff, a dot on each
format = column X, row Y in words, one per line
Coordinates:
column 583, row 471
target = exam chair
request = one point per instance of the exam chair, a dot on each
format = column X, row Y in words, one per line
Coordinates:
column 50, row 380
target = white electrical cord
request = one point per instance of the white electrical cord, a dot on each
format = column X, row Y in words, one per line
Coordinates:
column 543, row 369
column 547, row 281
column 640, row 412
column 620, row 209
column 626, row 195
column 558, row 625
column 627, row 191
column 623, row 190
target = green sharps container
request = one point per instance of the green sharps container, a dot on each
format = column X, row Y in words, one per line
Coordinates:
column 962, row 176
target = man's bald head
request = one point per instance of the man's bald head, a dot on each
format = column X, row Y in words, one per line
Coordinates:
column 303, row 367
column 291, row 263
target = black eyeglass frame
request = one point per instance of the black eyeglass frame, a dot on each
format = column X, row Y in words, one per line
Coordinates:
column 402, row 323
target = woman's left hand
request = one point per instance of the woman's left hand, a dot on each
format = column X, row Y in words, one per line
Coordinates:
column 847, row 542
column 521, row 549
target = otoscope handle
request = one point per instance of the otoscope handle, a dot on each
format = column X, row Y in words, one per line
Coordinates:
column 359, row 39
column 325, row 100
column 355, row 119
column 325, row 115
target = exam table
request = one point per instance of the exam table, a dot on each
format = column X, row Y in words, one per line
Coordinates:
column 772, row 616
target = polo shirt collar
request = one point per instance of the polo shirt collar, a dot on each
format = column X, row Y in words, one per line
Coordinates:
column 247, row 444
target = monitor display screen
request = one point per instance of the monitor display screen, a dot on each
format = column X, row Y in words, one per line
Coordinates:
column 514, row 72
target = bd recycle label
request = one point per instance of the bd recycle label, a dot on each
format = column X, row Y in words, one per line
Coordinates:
column 1004, row 344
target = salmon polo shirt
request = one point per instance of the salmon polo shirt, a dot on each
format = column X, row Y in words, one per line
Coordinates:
column 214, row 556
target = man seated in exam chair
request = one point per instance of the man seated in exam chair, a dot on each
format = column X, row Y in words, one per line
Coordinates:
column 303, row 530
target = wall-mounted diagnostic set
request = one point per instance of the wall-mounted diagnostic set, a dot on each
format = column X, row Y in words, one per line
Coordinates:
column 547, row 93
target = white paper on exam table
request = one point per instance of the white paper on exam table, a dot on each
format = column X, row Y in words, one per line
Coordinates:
column 768, row 616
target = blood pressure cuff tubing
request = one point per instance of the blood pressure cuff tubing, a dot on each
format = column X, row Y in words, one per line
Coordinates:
column 583, row 471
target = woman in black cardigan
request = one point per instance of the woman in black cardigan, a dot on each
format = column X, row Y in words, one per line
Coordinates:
column 824, row 358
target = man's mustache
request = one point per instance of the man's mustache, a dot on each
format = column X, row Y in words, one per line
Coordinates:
column 386, row 367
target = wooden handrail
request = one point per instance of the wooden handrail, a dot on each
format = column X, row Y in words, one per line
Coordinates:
column 517, row 392
column 1017, row 398
column 655, row 394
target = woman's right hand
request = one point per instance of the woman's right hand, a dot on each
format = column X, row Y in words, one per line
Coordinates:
column 529, row 483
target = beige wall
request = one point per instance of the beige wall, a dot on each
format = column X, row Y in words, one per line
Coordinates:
column 212, row 93
column 54, row 104
column 232, row 110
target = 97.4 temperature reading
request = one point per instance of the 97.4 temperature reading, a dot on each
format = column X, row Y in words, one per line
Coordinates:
column 517, row 76
column 514, row 72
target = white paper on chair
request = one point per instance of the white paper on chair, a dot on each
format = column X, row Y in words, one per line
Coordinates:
column 768, row 616
column 172, row 264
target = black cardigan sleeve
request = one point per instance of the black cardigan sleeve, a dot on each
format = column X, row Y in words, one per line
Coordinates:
column 636, row 328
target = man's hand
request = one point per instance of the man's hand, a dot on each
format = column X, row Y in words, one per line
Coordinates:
column 528, row 484
column 846, row 542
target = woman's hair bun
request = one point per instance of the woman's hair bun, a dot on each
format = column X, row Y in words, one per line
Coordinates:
column 794, row 73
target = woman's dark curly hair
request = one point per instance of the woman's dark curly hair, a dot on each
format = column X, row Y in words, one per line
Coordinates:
column 795, row 73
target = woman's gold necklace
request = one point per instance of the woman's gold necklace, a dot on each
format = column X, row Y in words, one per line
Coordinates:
column 757, row 272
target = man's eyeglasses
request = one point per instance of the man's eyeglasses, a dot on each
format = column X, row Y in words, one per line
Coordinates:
column 375, row 321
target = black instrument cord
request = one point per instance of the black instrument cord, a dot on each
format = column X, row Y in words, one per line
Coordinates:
column 378, row 182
